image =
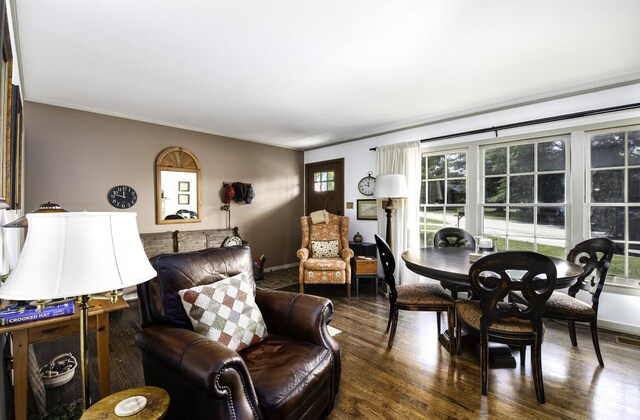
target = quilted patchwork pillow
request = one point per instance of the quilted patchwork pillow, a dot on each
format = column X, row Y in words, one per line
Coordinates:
column 325, row 249
column 226, row 312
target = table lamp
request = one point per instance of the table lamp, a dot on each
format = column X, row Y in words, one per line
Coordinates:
column 76, row 254
column 389, row 187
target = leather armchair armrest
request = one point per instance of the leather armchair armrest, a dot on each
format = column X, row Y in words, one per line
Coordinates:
column 211, row 367
column 296, row 315
column 303, row 254
column 304, row 317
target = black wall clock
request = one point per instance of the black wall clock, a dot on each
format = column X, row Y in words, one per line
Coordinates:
column 122, row 197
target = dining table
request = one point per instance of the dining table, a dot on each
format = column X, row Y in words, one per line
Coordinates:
column 452, row 264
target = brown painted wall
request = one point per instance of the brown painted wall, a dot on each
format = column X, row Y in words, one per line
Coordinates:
column 73, row 158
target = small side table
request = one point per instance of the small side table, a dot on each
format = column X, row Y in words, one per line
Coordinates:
column 156, row 408
column 366, row 268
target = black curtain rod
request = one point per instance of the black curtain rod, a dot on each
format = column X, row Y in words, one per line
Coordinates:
column 534, row 122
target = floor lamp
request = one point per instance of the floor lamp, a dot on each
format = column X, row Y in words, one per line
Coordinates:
column 74, row 255
column 390, row 187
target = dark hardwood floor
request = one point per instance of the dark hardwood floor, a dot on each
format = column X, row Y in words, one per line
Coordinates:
column 418, row 379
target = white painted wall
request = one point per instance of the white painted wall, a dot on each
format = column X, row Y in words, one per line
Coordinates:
column 619, row 307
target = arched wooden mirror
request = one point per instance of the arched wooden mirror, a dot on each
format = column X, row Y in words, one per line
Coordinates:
column 177, row 186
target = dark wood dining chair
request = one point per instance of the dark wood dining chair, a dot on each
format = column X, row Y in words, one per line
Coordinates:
column 413, row 297
column 453, row 237
column 594, row 255
column 511, row 323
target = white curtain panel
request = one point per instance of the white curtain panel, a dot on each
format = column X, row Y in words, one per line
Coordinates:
column 402, row 158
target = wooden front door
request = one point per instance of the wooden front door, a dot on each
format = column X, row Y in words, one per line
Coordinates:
column 325, row 186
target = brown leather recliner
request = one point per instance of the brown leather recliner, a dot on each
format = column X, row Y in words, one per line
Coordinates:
column 293, row 374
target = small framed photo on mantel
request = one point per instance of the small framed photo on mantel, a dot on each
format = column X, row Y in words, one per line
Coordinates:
column 366, row 210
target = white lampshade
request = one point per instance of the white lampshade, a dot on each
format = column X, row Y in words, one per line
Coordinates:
column 75, row 254
column 391, row 186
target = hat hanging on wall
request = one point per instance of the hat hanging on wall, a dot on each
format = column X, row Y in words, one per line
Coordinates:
column 241, row 192
column 229, row 192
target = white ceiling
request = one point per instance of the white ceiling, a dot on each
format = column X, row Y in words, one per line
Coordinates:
column 303, row 74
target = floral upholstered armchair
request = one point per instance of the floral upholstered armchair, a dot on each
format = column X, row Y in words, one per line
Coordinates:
column 325, row 253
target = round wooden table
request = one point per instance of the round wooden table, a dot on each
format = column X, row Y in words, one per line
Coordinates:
column 452, row 265
column 156, row 408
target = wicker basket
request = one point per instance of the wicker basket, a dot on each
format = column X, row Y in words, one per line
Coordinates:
column 59, row 370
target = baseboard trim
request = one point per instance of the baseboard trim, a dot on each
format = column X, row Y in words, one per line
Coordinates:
column 280, row 267
column 617, row 327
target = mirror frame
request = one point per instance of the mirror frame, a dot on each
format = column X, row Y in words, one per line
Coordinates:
column 176, row 159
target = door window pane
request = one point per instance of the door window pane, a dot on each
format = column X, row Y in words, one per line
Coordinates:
column 521, row 158
column 607, row 150
column 607, row 186
column 551, row 188
column 495, row 161
column 551, row 156
column 324, row 181
column 521, row 189
column 607, row 222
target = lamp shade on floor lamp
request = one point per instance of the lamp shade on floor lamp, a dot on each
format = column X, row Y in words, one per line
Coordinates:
column 389, row 187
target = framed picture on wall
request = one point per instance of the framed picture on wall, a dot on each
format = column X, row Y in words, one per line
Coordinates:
column 366, row 210
column 183, row 199
column 183, row 186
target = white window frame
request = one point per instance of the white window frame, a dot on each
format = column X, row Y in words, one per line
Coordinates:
column 535, row 205
column 622, row 280
column 425, row 206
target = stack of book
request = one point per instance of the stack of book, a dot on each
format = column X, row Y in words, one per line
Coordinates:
column 16, row 314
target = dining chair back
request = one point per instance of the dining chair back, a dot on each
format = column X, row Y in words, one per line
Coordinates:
column 594, row 255
column 388, row 262
column 454, row 237
column 492, row 278
column 413, row 297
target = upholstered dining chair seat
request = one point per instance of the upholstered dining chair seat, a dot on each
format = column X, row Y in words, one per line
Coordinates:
column 563, row 304
column 470, row 312
column 423, row 294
